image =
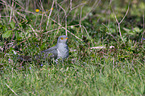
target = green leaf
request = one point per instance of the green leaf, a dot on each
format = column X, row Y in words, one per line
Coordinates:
column 126, row 29
column 42, row 46
column 7, row 34
column 136, row 29
column 12, row 24
column 4, row 28
column 1, row 26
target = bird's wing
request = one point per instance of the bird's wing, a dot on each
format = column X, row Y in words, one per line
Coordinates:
column 51, row 52
column 49, row 49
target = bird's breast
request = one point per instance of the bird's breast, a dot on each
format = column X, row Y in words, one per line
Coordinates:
column 63, row 52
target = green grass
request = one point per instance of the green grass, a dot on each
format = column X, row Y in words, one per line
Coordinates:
column 76, row 79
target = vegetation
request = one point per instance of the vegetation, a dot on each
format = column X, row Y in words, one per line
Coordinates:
column 106, row 42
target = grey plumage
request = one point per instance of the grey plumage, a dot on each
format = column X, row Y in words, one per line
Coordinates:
column 53, row 50
column 60, row 50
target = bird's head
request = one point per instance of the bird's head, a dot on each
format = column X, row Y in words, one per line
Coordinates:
column 62, row 39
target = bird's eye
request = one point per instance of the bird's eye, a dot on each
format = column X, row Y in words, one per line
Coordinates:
column 61, row 38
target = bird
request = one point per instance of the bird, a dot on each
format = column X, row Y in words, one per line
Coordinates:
column 60, row 50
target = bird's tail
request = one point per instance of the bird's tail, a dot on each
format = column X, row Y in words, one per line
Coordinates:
column 24, row 58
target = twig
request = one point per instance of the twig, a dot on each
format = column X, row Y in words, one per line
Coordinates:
column 33, row 30
column 82, row 4
column 109, row 33
column 50, row 14
column 102, row 47
column 86, row 30
column 80, row 18
column 70, row 4
column 19, row 43
column 11, row 13
column 143, row 29
column 41, row 14
column 67, row 30
column 11, row 89
column 120, row 23
column 93, row 7
column 65, row 18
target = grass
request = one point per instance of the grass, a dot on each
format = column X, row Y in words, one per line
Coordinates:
column 89, row 71
column 76, row 79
